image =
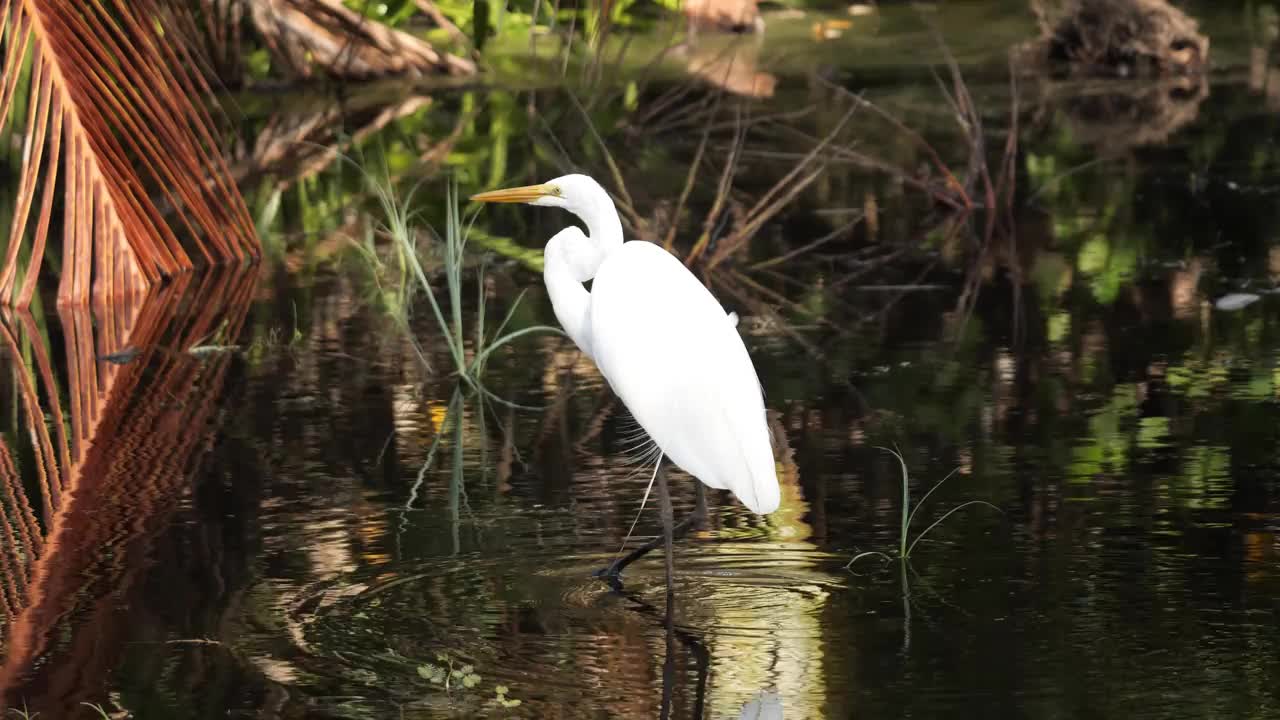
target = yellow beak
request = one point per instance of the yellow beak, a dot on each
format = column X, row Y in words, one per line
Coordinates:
column 525, row 194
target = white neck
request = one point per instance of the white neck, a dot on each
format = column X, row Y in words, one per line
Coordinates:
column 603, row 226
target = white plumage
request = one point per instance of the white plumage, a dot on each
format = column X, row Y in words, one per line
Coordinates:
column 663, row 342
column 666, row 347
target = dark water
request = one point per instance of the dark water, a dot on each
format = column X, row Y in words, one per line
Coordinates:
column 302, row 518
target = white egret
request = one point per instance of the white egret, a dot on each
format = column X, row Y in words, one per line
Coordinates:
column 664, row 344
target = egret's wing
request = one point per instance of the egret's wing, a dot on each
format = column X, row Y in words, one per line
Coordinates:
column 661, row 340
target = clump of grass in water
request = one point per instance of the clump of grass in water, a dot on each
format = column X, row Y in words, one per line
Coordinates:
column 905, row 543
column 399, row 226
column 101, row 711
column 470, row 368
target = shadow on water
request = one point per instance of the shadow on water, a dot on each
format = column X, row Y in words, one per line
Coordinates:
column 254, row 530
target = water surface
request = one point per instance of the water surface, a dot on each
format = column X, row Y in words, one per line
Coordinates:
column 305, row 518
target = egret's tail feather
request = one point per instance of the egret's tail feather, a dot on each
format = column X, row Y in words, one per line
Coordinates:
column 768, row 494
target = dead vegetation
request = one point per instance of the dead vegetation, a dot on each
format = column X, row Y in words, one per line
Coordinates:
column 82, row 137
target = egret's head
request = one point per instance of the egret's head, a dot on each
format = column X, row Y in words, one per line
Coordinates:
column 578, row 194
column 575, row 193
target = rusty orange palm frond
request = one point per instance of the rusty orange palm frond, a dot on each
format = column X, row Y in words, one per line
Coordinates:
column 112, row 118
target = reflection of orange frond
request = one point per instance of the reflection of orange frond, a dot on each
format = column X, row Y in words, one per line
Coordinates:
column 50, row 389
column 138, row 430
column 46, row 465
column 20, row 544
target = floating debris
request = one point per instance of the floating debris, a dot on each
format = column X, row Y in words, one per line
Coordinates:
column 830, row 29
column 1236, row 301
column 203, row 350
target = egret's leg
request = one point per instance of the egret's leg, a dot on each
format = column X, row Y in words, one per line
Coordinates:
column 678, row 531
column 696, row 519
column 700, row 507
column 669, row 664
column 668, row 533
column 668, row 528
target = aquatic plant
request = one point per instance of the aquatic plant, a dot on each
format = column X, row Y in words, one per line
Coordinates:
column 450, row 675
column 101, row 711
column 400, row 225
column 905, row 543
column 447, row 675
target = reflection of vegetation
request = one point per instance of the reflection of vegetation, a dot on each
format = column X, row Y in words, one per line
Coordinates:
column 112, row 446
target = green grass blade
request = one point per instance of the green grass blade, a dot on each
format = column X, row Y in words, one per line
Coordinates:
column 482, row 356
column 480, row 303
column 515, row 304
column 431, row 453
column 948, row 514
column 869, row 553
column 922, row 501
column 906, row 499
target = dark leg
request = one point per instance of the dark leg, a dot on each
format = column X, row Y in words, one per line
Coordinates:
column 695, row 520
column 668, row 533
column 669, row 663
column 668, row 529
column 700, row 507
column 678, row 531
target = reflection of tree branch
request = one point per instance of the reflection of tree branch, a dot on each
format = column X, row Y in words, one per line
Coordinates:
column 27, row 541
column 439, row 18
column 296, row 144
column 606, row 401
column 324, row 34
column 46, row 465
